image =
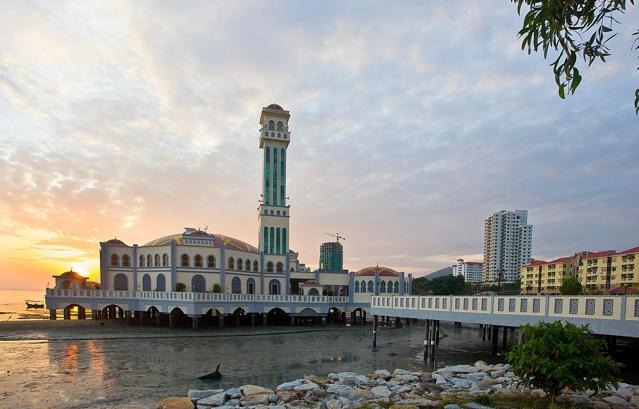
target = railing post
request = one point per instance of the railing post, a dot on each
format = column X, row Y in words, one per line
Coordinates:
column 624, row 303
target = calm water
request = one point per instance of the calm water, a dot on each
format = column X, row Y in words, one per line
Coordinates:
column 13, row 308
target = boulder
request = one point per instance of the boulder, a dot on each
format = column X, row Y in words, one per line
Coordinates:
column 439, row 380
column 616, row 402
column 383, row 372
column 287, row 386
column 256, row 399
column 214, row 400
column 305, row 387
column 234, row 393
column 376, row 376
column 195, row 394
column 381, row 392
column 403, row 406
column 452, row 406
column 461, row 368
column 302, row 404
column 320, row 380
column 333, row 404
column 175, row 403
column 248, row 390
column 401, row 372
column 474, row 405
column 422, row 403
column 287, row 396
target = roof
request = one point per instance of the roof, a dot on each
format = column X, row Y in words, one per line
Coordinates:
column 595, row 254
column 275, row 106
column 311, row 282
column 115, row 242
column 73, row 275
column 230, row 243
column 632, row 250
column 533, row 262
column 383, row 271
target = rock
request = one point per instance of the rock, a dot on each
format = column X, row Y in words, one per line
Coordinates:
column 287, row 386
column 302, row 404
column 362, row 380
column 344, row 391
column 635, row 401
column 195, row 394
column 452, row 406
column 383, row 372
column 407, row 378
column 422, row 403
column 474, row 376
column 432, row 388
column 256, row 399
column 333, row 404
column 480, row 364
column 460, row 383
column 234, row 393
column 426, row 377
column 579, row 398
column 381, row 392
column 625, row 392
column 320, row 380
column 214, row 400
column 401, row 372
column 474, row 405
column 305, row 387
column 376, row 376
column 175, row 403
column 439, row 380
column 461, row 368
column 248, row 390
column 616, row 402
column 597, row 404
column 487, row 383
column 343, row 376
column 217, row 407
column 403, row 406
column 497, row 374
column 232, row 402
column 287, row 396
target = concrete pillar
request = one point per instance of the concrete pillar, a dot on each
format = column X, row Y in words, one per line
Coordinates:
column 67, row 314
column 323, row 321
column 494, row 338
column 82, row 313
column 127, row 317
column 504, row 341
column 52, row 315
column 292, row 321
column 363, row 317
column 252, row 320
column 437, row 333
column 158, row 318
column 172, row 320
column 519, row 336
column 264, row 319
column 195, row 322
column 407, row 322
column 374, row 331
column 426, row 338
column 220, row 321
column 344, row 318
column 237, row 320
column 142, row 316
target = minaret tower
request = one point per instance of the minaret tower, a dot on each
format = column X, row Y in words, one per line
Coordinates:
column 273, row 210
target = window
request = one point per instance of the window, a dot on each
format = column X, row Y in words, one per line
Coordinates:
column 157, row 260
column 397, row 287
column 280, row 126
column 115, row 261
column 267, row 175
column 198, row 284
column 356, row 286
column 382, row 287
column 198, row 261
column 125, row 261
column 165, row 260
column 274, row 287
column 240, row 264
column 210, row 262
column 247, row 265
column 362, row 286
column 141, row 261
column 269, row 267
column 120, row 282
column 146, row 282
column 231, row 263
column 250, row 286
column 160, row 283
column 149, row 261
column 280, row 268
column 185, row 260
column 236, row 285
column 371, row 287
column 255, row 266
column 271, row 125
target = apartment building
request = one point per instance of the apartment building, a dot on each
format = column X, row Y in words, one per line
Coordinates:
column 507, row 245
column 472, row 271
column 545, row 277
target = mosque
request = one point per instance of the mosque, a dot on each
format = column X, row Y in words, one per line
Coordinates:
column 199, row 261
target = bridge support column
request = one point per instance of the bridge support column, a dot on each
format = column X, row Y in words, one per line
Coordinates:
column 52, row 315
column 504, row 340
column 407, row 322
column 172, row 320
column 127, row 317
column 374, row 332
column 482, row 329
column 363, row 318
column 195, row 322
column 344, row 318
column 494, row 338
column 237, row 320
column 252, row 319
column 519, row 336
column 220, row 321
column 323, row 321
column 94, row 315
column 264, row 319
column 141, row 317
column 426, row 338
column 437, row 333
column 67, row 314
column 292, row 320
column 82, row 313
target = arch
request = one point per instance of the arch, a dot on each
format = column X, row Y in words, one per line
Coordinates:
column 247, row 265
column 279, row 268
column 256, row 267
column 265, row 239
column 382, row 286
column 177, row 310
column 308, row 312
column 115, row 260
column 66, row 285
column 280, row 126
column 240, row 264
column 250, row 286
column 397, row 286
column 126, row 262
column 362, row 286
column 141, row 261
column 313, row 291
column 160, row 283
column 231, row 263
column 371, row 287
column 153, row 310
column 210, row 261
column 277, row 316
column 278, row 242
column 120, row 282
column 236, row 285
column 165, row 260
column 146, row 282
column 198, row 284
column 185, row 260
column 148, row 261
column 274, row 287
column 156, row 260
column 271, row 125
column 271, row 240
column 269, row 267
column 198, row 261
column 239, row 311
column 356, row 289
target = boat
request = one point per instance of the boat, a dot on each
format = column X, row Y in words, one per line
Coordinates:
column 34, row 304
column 213, row 375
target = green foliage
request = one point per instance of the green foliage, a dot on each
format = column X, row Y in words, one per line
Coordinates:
column 180, row 287
column 554, row 357
column 216, row 288
column 570, row 286
column 482, row 399
column 578, row 28
column 446, row 285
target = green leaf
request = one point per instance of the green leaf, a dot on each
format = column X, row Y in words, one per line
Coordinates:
column 562, row 93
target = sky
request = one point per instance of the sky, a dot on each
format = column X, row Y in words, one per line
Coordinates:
column 411, row 123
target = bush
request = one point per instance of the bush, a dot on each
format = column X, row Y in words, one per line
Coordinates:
column 180, row 287
column 217, row 288
column 554, row 357
column 570, row 286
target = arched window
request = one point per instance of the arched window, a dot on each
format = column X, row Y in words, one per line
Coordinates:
column 274, row 287
column 397, row 286
column 160, row 283
column 231, row 263
column 125, row 261
column 389, row 286
column 271, row 125
column 146, row 282
column 236, row 285
column 165, row 260
column 269, row 267
column 198, row 284
column 356, row 286
column 148, row 261
column 278, row 234
column 362, row 286
column 279, row 268
column 240, row 264
column 141, row 262
column 271, row 240
column 210, row 261
column 255, row 267
column 120, row 282
column 266, row 239
column 313, row 291
column 250, row 286
column 157, row 260
column 371, row 287
column 382, row 286
column 198, row 260
column 185, row 260
column 247, row 265
column 267, row 183
column 115, row 261
column 280, row 126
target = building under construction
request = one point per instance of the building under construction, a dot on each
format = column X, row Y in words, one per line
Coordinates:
column 331, row 256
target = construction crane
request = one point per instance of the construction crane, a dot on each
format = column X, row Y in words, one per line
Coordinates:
column 337, row 236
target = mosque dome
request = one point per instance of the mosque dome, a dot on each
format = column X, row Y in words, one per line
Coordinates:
column 383, row 272
column 230, row 243
column 275, row 106
column 73, row 275
column 115, row 242
column 311, row 282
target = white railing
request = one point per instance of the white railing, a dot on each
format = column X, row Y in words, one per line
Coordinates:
column 183, row 296
column 580, row 306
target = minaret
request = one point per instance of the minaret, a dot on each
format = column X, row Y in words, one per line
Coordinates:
column 273, row 210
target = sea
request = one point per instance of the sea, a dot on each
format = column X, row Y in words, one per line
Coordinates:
column 13, row 307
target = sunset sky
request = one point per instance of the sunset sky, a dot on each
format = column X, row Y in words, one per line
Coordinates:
column 411, row 122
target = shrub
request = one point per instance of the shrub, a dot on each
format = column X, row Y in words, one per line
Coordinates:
column 570, row 286
column 217, row 288
column 180, row 287
column 555, row 356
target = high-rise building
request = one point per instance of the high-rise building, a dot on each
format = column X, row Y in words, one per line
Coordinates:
column 507, row 244
column 472, row 271
column 331, row 256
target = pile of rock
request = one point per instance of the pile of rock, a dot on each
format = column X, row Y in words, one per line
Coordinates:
column 400, row 389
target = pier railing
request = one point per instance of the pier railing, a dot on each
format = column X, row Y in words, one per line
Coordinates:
column 184, row 296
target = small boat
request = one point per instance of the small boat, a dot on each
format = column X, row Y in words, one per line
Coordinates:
column 213, row 375
column 34, row 304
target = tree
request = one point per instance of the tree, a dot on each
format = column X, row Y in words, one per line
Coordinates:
column 553, row 357
column 216, row 288
column 576, row 28
column 446, row 285
column 570, row 286
column 180, row 287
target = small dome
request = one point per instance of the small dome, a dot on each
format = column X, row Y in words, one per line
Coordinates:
column 311, row 282
column 74, row 275
column 383, row 271
column 115, row 242
column 275, row 106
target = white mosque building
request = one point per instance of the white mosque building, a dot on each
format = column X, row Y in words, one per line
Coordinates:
column 198, row 261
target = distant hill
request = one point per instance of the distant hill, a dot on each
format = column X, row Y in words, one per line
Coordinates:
column 440, row 273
